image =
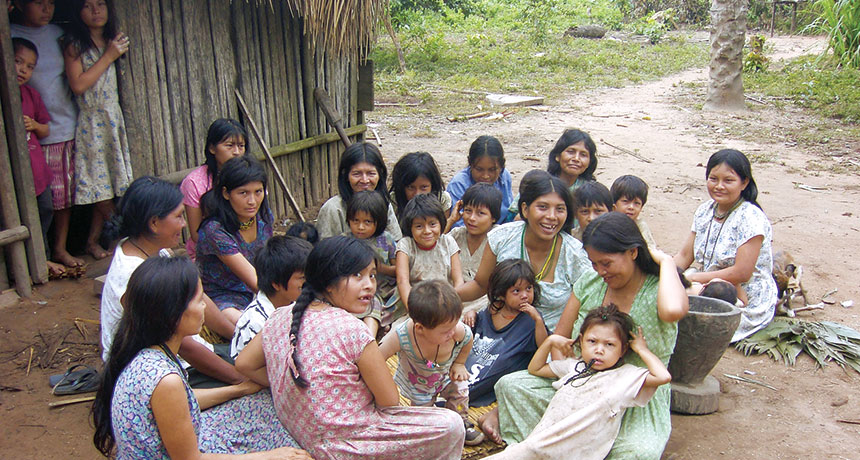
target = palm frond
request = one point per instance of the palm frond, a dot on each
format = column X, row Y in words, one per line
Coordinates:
column 824, row 341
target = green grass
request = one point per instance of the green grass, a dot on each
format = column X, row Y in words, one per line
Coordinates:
column 829, row 90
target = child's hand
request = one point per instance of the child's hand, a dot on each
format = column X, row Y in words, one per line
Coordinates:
column 29, row 123
column 531, row 311
column 118, row 46
column 562, row 344
column 637, row 343
column 469, row 318
column 458, row 372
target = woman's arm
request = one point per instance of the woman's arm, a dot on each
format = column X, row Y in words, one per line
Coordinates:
column 252, row 362
column 743, row 269
column 377, row 377
column 672, row 302
column 239, row 265
column 684, row 257
column 193, row 216
column 456, row 270
column 569, row 316
column 478, row 287
column 169, row 404
column 211, row 397
column 401, row 267
column 208, row 363
column 79, row 80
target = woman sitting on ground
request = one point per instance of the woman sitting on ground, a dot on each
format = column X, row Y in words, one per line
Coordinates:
column 149, row 219
column 144, row 407
column 644, row 285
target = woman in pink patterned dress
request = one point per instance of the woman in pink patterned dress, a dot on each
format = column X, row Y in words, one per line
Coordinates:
column 332, row 389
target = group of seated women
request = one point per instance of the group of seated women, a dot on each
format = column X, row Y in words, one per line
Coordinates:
column 483, row 295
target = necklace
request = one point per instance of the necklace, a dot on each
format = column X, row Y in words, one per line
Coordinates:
column 173, row 358
column 246, row 225
column 138, row 248
column 583, row 371
column 723, row 219
column 523, row 253
column 430, row 364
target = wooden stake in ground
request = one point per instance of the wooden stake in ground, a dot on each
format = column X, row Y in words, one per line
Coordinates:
column 386, row 19
column 331, row 115
column 290, row 200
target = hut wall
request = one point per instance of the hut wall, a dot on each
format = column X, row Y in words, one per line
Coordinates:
column 186, row 60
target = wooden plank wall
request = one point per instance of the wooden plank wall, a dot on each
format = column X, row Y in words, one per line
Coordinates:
column 187, row 58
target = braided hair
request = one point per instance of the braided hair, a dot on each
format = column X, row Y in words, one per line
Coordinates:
column 331, row 260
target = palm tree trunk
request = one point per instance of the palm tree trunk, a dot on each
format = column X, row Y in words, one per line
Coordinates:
column 728, row 29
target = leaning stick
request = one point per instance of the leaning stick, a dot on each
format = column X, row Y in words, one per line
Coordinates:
column 627, row 151
column 66, row 402
column 746, row 380
column 292, row 201
column 30, row 361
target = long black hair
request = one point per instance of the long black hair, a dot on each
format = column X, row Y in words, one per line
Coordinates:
column 219, row 131
column 408, row 169
column 568, row 138
column 157, row 295
column 77, row 39
column 615, row 233
column 740, row 164
column 235, row 173
column 487, row 146
column 360, row 152
column 537, row 183
column 331, row 260
column 147, row 197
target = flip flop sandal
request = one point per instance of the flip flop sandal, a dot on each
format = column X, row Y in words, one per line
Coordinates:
column 77, row 379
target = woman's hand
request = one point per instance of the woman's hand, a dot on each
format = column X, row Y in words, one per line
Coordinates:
column 249, row 387
column 117, row 47
column 287, row 453
column 458, row 372
column 660, row 256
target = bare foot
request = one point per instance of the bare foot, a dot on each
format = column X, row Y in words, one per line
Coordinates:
column 96, row 251
column 67, row 259
column 489, row 424
column 55, row 270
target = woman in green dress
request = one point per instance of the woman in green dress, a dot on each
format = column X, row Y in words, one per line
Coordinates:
column 641, row 283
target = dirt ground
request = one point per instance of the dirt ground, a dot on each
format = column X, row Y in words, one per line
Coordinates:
column 661, row 121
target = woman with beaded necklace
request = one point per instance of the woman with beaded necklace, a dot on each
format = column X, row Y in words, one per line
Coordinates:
column 239, row 223
column 731, row 239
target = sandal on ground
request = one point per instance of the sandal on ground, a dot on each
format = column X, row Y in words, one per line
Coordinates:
column 77, row 379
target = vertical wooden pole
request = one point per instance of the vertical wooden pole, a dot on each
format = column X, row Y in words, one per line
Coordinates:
column 21, row 179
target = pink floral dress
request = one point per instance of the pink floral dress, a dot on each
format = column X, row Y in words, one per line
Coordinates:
column 335, row 417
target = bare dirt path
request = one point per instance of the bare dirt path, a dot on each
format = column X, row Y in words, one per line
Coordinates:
column 662, row 122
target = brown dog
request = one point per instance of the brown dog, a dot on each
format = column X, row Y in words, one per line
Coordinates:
column 787, row 275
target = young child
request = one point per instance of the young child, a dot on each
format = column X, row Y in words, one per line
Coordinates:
column 36, row 119
column 280, row 268
column 331, row 386
column 416, row 173
column 592, row 199
column 424, row 253
column 432, row 347
column 583, row 418
column 487, row 166
column 239, row 223
column 306, row 231
column 367, row 216
column 102, row 162
column 629, row 195
column 225, row 140
column 31, row 20
column 507, row 332
column 479, row 209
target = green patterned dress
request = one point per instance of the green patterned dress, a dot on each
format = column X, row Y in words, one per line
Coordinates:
column 523, row 398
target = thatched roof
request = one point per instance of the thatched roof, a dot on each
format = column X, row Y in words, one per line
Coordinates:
column 338, row 26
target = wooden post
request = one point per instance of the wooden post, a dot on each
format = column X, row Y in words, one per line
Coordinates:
column 9, row 208
column 21, row 173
